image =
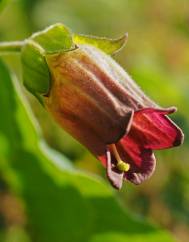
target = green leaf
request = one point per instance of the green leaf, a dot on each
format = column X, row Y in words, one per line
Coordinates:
column 56, row 38
column 109, row 46
column 62, row 204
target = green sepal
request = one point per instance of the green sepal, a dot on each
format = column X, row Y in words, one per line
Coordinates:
column 54, row 39
column 36, row 74
column 109, row 46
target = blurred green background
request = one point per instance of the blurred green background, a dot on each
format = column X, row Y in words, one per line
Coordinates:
column 157, row 57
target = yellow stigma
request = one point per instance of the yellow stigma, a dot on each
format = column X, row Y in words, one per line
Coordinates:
column 121, row 165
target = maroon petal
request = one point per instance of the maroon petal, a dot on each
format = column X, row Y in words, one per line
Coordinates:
column 114, row 175
column 151, row 129
column 142, row 161
column 147, row 168
column 154, row 130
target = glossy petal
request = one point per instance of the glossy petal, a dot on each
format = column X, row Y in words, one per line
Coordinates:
column 151, row 129
column 154, row 130
column 142, row 161
column 142, row 164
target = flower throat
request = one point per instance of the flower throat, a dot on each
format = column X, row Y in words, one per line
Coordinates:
column 121, row 165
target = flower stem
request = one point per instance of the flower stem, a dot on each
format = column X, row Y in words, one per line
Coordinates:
column 9, row 47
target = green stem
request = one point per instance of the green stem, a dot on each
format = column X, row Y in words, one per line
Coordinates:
column 8, row 47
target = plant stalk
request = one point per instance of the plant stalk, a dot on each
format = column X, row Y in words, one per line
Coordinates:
column 11, row 47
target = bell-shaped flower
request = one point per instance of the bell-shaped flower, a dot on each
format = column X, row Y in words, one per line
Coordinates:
column 98, row 103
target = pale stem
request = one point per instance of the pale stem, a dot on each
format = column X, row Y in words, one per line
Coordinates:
column 9, row 47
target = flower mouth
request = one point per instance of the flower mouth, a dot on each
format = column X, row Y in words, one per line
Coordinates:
column 100, row 105
column 120, row 164
column 132, row 158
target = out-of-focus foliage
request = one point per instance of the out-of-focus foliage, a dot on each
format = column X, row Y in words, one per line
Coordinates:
column 156, row 56
column 61, row 203
column 3, row 4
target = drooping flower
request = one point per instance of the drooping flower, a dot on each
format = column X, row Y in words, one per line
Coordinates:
column 96, row 101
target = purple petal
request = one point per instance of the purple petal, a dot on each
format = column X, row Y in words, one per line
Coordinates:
column 142, row 161
column 114, row 175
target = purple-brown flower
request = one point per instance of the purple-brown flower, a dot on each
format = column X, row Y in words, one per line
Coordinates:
column 96, row 101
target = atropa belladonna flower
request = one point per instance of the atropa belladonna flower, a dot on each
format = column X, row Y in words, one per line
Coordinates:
column 97, row 102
